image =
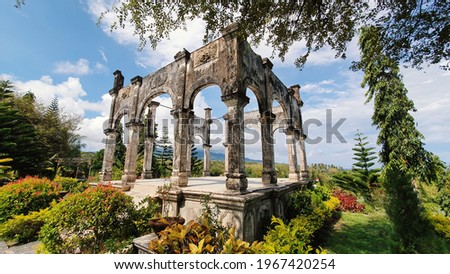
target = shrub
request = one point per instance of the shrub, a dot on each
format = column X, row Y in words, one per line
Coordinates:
column 23, row 228
column 26, row 195
column 146, row 209
column 70, row 185
column 195, row 238
column 98, row 220
column 441, row 225
column 304, row 201
column 348, row 201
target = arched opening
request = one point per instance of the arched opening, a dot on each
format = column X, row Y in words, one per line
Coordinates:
column 281, row 157
column 208, row 140
column 252, row 137
column 155, row 150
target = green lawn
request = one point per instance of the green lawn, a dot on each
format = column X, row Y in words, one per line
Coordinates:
column 359, row 233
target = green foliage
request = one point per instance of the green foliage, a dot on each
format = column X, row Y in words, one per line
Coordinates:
column 282, row 170
column 26, row 195
column 146, row 209
column 98, row 220
column 362, row 178
column 364, row 158
column 411, row 228
column 402, row 150
column 70, row 185
column 4, row 175
column 253, row 170
column 404, row 26
column 441, row 225
column 322, row 172
column 303, row 202
column 217, row 168
column 19, row 139
column 162, row 155
column 195, row 238
column 196, row 163
column 23, row 228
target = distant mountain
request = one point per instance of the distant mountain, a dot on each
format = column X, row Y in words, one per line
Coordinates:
column 217, row 156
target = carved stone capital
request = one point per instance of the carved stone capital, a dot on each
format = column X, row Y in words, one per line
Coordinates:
column 238, row 99
column 137, row 80
column 267, row 63
column 183, row 54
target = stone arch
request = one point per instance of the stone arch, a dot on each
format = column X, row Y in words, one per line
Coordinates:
column 228, row 62
column 200, row 84
column 150, row 96
column 121, row 113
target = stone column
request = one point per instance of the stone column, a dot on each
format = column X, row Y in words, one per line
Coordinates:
column 191, row 117
column 147, row 172
column 181, row 146
column 207, row 142
column 292, row 155
column 129, row 173
column 108, row 156
column 206, row 159
column 269, row 176
column 225, row 121
column 236, row 181
column 110, row 132
column 304, row 176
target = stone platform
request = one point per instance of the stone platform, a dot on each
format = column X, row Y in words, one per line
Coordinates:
column 249, row 213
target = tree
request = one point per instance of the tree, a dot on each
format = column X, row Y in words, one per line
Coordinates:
column 412, row 31
column 402, row 150
column 362, row 176
column 162, row 155
column 18, row 139
column 196, row 163
column 364, row 157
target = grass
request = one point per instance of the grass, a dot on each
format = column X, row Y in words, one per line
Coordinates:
column 360, row 233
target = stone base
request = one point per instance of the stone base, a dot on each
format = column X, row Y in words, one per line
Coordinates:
column 269, row 178
column 147, row 175
column 129, row 178
column 106, row 176
column 179, row 180
column 249, row 213
column 294, row 177
column 236, row 183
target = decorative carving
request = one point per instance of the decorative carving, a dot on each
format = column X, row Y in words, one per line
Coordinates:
column 124, row 93
column 205, row 54
column 159, row 79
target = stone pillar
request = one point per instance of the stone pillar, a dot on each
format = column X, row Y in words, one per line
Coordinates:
column 181, row 146
column 191, row 130
column 149, row 141
column 292, row 155
column 304, row 176
column 207, row 142
column 269, row 176
column 206, row 159
column 110, row 132
column 236, row 181
column 129, row 173
column 108, row 156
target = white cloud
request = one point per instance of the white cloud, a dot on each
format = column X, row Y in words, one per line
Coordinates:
column 70, row 95
column 80, row 67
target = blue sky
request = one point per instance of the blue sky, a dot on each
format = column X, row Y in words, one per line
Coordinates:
column 55, row 48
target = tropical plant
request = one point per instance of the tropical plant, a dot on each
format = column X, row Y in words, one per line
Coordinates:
column 27, row 195
column 99, row 220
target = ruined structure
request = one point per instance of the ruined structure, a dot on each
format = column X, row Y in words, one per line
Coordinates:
column 229, row 63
